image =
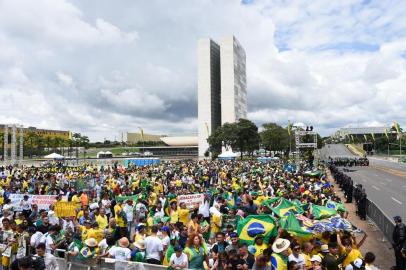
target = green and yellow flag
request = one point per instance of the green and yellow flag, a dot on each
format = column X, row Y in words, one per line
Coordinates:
column 365, row 137
column 397, row 127
column 283, row 206
column 352, row 137
column 320, row 212
column 292, row 225
column 373, row 136
column 126, row 198
column 141, row 133
column 269, row 202
column 255, row 225
column 386, row 133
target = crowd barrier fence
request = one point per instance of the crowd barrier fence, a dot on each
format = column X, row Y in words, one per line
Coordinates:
column 381, row 220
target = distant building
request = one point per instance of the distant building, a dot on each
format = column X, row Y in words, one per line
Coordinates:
column 233, row 81
column 342, row 132
column 44, row 133
column 222, row 86
column 137, row 137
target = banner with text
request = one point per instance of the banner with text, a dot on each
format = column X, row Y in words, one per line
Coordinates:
column 191, row 200
column 43, row 201
column 66, row 209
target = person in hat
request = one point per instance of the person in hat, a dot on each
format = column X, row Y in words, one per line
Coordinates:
column 279, row 257
column 398, row 238
column 332, row 260
column 234, row 242
column 178, row 260
column 357, row 264
column 121, row 252
column 316, row 262
column 90, row 249
column 138, row 253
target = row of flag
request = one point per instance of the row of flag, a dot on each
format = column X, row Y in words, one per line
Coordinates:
column 386, row 131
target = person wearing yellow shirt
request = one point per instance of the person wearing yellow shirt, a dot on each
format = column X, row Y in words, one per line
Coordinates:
column 215, row 221
column 85, row 229
column 75, row 199
column 95, row 232
column 173, row 213
column 352, row 252
column 119, row 214
column 184, row 214
column 101, row 219
column 259, row 245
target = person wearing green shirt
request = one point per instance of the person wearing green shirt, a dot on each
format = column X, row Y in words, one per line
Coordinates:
column 196, row 252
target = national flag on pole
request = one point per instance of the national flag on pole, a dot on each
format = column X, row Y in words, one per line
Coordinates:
column 207, row 128
column 292, row 225
column 283, row 206
column 320, row 212
column 142, row 133
column 254, row 225
column 397, row 127
column 386, row 133
column 373, row 136
column 365, row 137
column 352, row 137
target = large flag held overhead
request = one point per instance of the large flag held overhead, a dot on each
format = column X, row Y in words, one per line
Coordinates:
column 254, row 225
column 336, row 206
column 292, row 225
column 283, row 206
column 269, row 202
column 320, row 212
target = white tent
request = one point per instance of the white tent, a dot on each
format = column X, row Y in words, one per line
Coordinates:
column 54, row 156
column 227, row 155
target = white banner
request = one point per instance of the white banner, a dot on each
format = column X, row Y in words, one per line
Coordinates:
column 43, row 201
column 191, row 200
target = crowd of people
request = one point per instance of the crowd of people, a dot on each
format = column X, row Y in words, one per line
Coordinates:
column 134, row 214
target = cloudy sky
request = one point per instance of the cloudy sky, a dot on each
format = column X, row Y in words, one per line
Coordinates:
column 101, row 67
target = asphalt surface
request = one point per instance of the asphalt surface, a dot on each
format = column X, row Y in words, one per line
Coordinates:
column 384, row 182
column 336, row 151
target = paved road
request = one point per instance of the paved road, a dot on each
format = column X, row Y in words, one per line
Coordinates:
column 384, row 182
column 335, row 151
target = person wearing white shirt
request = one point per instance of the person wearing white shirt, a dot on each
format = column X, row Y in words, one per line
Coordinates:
column 121, row 252
column 297, row 256
column 153, row 247
column 178, row 260
column 128, row 209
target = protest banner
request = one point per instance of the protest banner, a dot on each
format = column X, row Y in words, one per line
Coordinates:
column 43, row 201
column 191, row 200
column 126, row 198
column 66, row 209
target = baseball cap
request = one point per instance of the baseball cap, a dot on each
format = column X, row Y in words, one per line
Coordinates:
column 358, row 262
column 397, row 218
column 315, row 258
column 233, row 235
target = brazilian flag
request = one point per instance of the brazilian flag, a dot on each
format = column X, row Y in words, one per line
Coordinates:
column 292, row 225
column 336, row 206
column 284, row 206
column 125, row 198
column 254, row 225
column 268, row 203
column 320, row 212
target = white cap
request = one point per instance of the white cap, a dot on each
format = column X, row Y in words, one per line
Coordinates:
column 358, row 262
column 316, row 258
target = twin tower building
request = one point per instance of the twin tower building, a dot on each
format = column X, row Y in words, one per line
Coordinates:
column 222, row 86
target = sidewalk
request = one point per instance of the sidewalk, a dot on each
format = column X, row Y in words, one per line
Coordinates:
column 375, row 242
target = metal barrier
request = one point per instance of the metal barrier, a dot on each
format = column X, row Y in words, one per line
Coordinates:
column 381, row 220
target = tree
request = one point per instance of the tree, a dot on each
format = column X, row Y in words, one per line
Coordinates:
column 247, row 137
column 240, row 136
column 274, row 137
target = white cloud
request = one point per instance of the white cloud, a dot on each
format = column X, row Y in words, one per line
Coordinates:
column 99, row 67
